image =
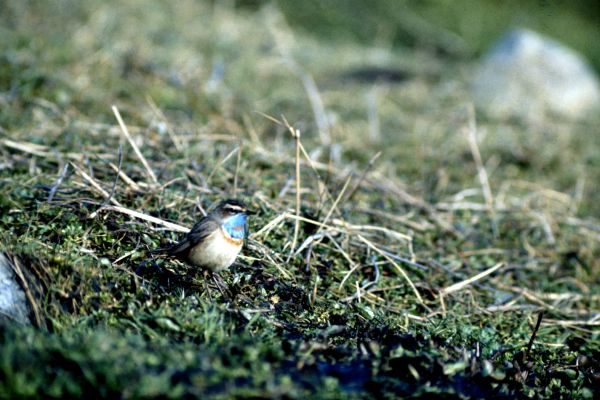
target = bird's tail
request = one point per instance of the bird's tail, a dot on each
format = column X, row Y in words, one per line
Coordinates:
column 174, row 250
column 161, row 250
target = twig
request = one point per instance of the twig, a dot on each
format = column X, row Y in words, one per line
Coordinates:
column 368, row 287
column 132, row 143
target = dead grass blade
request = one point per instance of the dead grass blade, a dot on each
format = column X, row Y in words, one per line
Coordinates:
column 136, row 149
column 35, row 308
column 398, row 268
column 296, row 135
column 95, row 185
column 463, row 284
column 145, row 217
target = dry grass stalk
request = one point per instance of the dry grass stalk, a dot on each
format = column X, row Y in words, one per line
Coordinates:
column 316, row 102
column 133, row 145
column 269, row 226
column 533, row 297
column 571, row 323
column 95, row 185
column 46, row 152
column 145, row 217
column 130, row 182
column 335, row 203
column 23, row 281
column 268, row 255
column 223, row 161
column 388, row 232
column 363, row 175
column 237, row 171
column 158, row 112
column 463, row 284
column 398, row 268
column 296, row 135
column 471, row 134
column 57, row 183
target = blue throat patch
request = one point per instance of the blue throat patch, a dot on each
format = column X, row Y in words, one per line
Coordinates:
column 235, row 226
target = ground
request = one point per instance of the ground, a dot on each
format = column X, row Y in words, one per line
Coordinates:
column 405, row 244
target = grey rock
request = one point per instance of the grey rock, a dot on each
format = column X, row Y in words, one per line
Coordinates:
column 528, row 75
column 13, row 302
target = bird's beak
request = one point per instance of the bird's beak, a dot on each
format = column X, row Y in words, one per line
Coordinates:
column 250, row 212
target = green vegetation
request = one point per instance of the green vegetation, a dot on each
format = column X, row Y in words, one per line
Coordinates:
column 367, row 301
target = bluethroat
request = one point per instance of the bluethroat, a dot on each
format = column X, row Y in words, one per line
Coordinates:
column 216, row 240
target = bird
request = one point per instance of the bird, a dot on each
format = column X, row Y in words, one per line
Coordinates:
column 215, row 241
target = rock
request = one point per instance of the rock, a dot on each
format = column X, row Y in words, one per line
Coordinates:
column 13, row 303
column 528, row 75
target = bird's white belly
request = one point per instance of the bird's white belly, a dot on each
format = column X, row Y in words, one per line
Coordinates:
column 215, row 252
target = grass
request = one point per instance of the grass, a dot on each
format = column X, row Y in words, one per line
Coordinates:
column 391, row 214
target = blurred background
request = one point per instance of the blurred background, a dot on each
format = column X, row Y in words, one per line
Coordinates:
column 455, row 28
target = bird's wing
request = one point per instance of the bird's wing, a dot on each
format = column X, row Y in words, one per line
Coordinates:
column 199, row 232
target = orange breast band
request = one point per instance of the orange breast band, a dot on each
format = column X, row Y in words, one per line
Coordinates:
column 230, row 240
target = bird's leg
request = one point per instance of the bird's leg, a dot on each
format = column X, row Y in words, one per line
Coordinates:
column 221, row 285
column 206, row 288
